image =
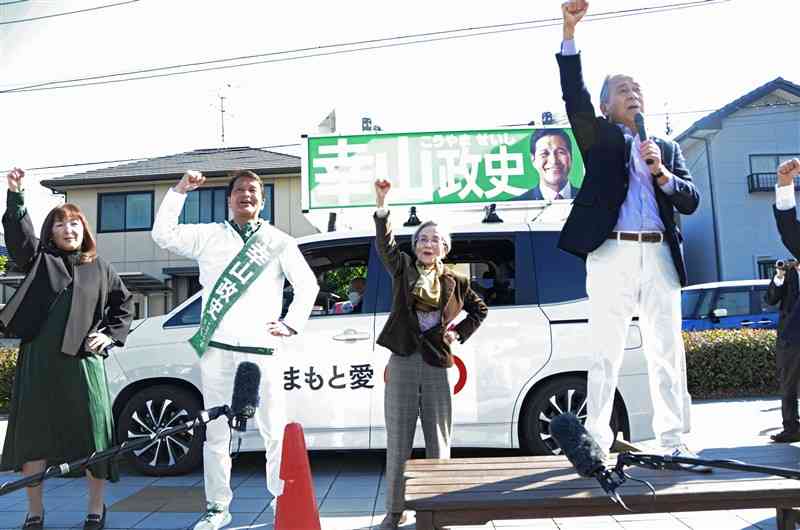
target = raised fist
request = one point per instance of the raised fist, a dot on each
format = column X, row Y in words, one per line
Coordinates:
column 382, row 187
column 573, row 11
column 190, row 181
column 787, row 171
column 14, row 179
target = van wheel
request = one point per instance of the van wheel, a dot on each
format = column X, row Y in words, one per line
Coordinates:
column 559, row 396
column 155, row 408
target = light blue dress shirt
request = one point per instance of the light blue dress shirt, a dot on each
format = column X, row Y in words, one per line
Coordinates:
column 639, row 212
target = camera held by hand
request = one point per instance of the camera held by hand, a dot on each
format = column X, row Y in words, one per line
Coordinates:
column 786, row 265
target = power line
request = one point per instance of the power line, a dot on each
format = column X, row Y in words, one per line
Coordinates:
column 423, row 38
column 746, row 107
column 17, row 21
column 295, row 144
column 182, row 167
column 357, row 46
column 13, row 2
column 138, row 159
column 372, row 41
column 709, row 111
column 82, row 164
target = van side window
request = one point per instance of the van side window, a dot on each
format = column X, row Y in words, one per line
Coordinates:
column 489, row 265
column 488, row 262
column 560, row 276
column 188, row 316
column 341, row 272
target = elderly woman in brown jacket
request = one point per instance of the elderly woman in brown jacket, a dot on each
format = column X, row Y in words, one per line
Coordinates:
column 426, row 298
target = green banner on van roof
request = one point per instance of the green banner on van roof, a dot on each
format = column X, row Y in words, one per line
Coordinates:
column 445, row 167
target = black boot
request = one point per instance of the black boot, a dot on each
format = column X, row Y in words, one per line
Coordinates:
column 35, row 522
column 786, row 437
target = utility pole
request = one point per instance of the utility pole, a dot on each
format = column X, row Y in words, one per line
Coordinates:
column 222, row 116
column 668, row 125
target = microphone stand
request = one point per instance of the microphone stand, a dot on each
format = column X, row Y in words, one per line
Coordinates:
column 669, row 462
column 617, row 476
column 203, row 417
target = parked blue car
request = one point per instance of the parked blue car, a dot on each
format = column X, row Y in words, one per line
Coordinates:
column 728, row 305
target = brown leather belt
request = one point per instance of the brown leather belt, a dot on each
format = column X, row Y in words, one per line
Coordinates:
column 644, row 237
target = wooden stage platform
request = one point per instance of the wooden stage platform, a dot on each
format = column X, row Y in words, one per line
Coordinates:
column 477, row 490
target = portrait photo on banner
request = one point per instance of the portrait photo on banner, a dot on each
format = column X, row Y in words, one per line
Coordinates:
column 447, row 167
column 552, row 152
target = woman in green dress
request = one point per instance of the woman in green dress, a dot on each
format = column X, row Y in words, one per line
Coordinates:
column 70, row 308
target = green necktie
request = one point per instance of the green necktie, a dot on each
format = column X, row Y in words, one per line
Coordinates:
column 248, row 229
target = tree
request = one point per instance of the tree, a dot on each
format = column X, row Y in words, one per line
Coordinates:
column 338, row 280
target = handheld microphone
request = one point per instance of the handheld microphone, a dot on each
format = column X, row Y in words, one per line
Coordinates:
column 639, row 119
column 245, row 395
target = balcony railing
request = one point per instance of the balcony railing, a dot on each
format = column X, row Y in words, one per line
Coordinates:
column 765, row 182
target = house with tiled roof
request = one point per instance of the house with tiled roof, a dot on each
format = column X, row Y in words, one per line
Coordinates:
column 733, row 154
column 120, row 204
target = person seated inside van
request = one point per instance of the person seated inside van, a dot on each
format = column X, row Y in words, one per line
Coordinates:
column 355, row 297
column 486, row 286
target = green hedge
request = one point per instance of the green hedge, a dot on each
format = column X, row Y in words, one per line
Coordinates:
column 8, row 361
column 729, row 363
column 720, row 364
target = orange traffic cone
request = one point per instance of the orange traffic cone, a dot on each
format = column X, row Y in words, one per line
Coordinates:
column 297, row 507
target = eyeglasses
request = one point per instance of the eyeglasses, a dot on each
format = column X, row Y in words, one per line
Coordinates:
column 435, row 241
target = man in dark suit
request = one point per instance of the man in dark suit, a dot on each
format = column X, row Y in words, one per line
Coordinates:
column 623, row 223
column 551, row 155
column 784, row 289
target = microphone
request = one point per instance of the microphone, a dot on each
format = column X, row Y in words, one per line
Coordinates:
column 245, row 395
column 639, row 120
column 584, row 453
column 578, row 446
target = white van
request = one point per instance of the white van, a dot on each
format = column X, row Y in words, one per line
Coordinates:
column 525, row 364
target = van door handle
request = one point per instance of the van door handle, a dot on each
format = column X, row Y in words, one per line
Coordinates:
column 351, row 335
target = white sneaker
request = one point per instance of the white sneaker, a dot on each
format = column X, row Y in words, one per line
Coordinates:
column 685, row 452
column 216, row 517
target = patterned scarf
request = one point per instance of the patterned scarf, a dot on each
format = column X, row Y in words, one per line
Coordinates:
column 427, row 290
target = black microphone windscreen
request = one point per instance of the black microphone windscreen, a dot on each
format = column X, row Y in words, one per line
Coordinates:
column 639, row 119
column 576, row 443
column 245, row 388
